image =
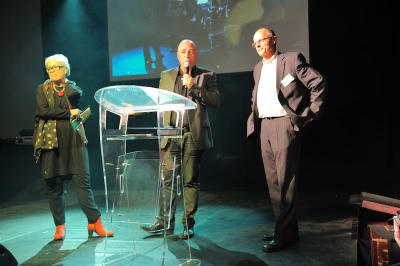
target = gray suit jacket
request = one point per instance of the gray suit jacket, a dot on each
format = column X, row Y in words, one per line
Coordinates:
column 303, row 98
column 204, row 93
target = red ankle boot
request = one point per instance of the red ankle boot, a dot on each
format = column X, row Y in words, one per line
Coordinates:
column 99, row 229
column 60, row 232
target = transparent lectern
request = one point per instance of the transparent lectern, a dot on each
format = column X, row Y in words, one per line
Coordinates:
column 135, row 190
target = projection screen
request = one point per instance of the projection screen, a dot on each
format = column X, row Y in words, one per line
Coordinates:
column 143, row 34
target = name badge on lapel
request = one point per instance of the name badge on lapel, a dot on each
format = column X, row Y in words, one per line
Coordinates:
column 287, row 79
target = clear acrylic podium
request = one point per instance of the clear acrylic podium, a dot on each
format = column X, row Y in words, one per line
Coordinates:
column 131, row 132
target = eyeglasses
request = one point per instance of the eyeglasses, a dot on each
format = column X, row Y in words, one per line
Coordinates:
column 266, row 39
column 53, row 68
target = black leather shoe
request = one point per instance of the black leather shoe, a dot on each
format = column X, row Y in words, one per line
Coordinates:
column 273, row 246
column 187, row 233
column 268, row 237
column 157, row 228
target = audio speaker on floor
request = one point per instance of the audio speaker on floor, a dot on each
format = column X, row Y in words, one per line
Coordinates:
column 6, row 258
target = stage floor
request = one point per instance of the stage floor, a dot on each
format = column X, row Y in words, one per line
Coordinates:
column 228, row 231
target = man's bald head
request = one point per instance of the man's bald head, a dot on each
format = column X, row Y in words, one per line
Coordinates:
column 264, row 41
column 187, row 54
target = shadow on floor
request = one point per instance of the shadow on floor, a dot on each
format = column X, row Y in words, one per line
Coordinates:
column 209, row 253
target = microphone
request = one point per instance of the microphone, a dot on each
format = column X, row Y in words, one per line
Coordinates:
column 187, row 66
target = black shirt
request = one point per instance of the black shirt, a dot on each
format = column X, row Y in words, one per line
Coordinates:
column 180, row 89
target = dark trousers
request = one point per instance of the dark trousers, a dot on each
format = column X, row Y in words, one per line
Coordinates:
column 191, row 177
column 280, row 149
column 55, row 187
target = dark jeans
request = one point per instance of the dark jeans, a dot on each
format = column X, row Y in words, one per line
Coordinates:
column 191, row 176
column 55, row 187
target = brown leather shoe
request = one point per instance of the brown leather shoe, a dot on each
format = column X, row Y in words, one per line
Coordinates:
column 158, row 228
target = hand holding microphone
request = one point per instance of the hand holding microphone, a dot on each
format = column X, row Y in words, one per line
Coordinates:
column 187, row 80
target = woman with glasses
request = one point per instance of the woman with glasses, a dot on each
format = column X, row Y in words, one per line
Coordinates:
column 60, row 150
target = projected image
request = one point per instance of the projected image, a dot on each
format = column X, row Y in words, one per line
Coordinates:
column 144, row 34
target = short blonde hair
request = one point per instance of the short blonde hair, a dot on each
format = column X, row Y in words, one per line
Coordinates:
column 59, row 58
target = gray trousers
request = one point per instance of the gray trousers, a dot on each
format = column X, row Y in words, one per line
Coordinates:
column 280, row 149
column 55, row 187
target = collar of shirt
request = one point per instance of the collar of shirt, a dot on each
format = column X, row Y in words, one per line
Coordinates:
column 272, row 58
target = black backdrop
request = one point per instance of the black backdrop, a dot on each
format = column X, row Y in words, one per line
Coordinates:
column 353, row 148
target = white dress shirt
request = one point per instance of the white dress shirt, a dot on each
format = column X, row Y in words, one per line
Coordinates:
column 267, row 97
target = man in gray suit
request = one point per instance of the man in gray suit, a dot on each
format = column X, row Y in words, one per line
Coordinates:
column 288, row 94
column 199, row 85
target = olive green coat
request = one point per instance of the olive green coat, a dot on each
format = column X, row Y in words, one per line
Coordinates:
column 204, row 93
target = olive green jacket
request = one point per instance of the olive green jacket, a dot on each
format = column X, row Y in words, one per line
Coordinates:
column 204, row 93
